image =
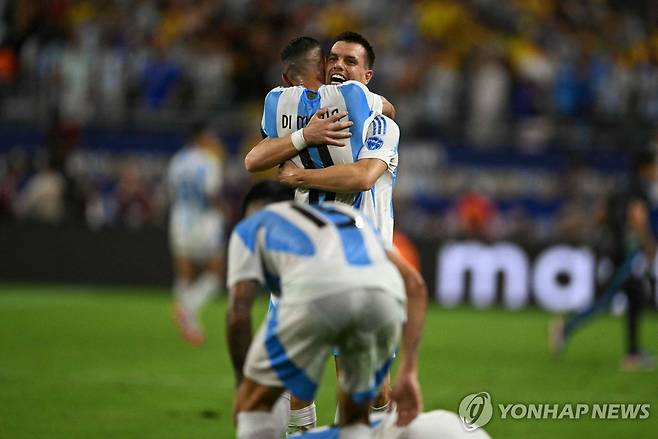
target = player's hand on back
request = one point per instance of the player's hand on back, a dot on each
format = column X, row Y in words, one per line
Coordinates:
column 328, row 131
column 288, row 174
column 407, row 397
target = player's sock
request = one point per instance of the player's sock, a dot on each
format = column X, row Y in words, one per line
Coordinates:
column 256, row 425
column 378, row 413
column 303, row 419
column 356, row 431
column 202, row 290
column 281, row 412
column 180, row 287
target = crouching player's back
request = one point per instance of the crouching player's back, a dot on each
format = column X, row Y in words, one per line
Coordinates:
column 339, row 286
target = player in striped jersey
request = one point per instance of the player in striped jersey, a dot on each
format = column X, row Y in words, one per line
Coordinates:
column 358, row 167
column 361, row 176
column 339, row 285
column 196, row 228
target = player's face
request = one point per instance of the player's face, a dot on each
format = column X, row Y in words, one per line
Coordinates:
column 347, row 61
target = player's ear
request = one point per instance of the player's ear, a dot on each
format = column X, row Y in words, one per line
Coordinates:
column 368, row 76
column 285, row 79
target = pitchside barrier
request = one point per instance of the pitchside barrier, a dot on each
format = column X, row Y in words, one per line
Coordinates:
column 555, row 277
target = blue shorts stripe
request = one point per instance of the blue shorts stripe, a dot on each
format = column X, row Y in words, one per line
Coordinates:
column 361, row 397
column 293, row 378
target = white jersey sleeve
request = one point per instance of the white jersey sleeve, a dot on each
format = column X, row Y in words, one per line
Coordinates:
column 382, row 140
column 244, row 258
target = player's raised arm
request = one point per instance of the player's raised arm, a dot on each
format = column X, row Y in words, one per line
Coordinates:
column 273, row 151
column 406, row 390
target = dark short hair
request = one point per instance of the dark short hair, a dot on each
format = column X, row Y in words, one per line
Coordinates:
column 293, row 54
column 353, row 37
column 267, row 191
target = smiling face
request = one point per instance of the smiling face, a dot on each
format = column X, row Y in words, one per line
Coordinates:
column 347, row 61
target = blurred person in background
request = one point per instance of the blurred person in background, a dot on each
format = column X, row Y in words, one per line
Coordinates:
column 630, row 243
column 42, row 199
column 196, row 228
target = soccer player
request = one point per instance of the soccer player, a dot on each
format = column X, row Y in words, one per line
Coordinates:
column 328, row 163
column 339, row 285
column 629, row 241
column 358, row 167
column 196, row 228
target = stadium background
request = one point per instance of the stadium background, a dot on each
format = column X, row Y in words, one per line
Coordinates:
column 516, row 119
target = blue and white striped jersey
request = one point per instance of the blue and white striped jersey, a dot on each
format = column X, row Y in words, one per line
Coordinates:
column 194, row 178
column 301, row 252
column 288, row 109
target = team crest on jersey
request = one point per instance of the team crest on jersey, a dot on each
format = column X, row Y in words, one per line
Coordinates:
column 374, row 143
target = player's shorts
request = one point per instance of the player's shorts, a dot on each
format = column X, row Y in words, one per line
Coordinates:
column 197, row 237
column 293, row 344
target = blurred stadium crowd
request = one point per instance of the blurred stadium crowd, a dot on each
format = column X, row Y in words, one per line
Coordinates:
column 515, row 116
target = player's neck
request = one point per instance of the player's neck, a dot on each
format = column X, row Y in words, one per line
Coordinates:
column 309, row 83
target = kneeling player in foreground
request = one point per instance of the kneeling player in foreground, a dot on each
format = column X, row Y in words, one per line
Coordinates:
column 338, row 286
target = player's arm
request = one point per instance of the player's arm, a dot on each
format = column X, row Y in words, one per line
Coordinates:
column 387, row 108
column 638, row 219
column 406, row 390
column 238, row 323
column 346, row 177
column 273, row 151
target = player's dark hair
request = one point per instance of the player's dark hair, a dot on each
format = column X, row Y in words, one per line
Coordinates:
column 267, row 191
column 353, row 37
column 293, row 55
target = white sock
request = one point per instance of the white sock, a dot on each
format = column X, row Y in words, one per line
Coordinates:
column 180, row 287
column 201, row 291
column 256, row 425
column 281, row 412
column 304, row 417
column 356, row 431
column 379, row 413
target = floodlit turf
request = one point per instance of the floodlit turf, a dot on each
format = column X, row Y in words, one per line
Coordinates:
column 84, row 362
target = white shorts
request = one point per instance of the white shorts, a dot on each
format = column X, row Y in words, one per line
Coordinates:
column 293, row 344
column 198, row 237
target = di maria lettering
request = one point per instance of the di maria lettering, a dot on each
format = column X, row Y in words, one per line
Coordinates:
column 302, row 121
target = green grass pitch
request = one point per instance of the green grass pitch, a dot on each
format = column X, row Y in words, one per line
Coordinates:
column 83, row 362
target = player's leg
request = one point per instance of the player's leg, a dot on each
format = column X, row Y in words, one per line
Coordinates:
column 303, row 415
column 367, row 352
column 207, row 247
column 185, row 320
column 560, row 330
column 636, row 289
column 290, row 350
column 207, row 285
column 380, row 405
column 254, row 407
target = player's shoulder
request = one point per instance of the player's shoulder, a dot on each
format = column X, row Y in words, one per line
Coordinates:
column 354, row 85
column 180, row 156
column 383, row 125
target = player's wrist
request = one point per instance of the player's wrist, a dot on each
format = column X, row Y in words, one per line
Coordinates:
column 298, row 140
